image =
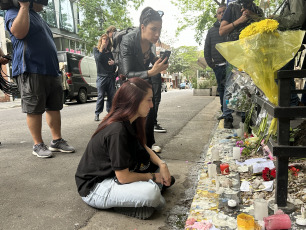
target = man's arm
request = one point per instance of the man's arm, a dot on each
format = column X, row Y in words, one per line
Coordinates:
column 227, row 27
column 207, row 51
column 21, row 24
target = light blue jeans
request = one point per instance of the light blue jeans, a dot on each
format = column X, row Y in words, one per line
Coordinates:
column 109, row 194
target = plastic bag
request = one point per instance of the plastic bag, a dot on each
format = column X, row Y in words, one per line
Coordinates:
column 261, row 55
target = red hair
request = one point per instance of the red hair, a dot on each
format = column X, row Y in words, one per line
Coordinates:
column 125, row 106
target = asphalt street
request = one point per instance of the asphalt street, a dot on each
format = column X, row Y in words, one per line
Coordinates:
column 41, row 193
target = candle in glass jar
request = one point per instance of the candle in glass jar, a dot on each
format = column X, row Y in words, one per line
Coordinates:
column 215, row 154
column 224, row 168
column 260, row 209
column 236, row 153
column 245, row 222
column 212, row 170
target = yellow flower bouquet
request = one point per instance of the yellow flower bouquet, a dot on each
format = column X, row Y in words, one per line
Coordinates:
column 260, row 51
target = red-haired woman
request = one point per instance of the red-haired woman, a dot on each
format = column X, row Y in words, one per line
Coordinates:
column 117, row 169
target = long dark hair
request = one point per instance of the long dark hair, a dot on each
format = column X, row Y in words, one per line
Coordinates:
column 125, row 106
column 148, row 15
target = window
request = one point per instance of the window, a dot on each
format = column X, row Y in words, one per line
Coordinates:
column 66, row 16
column 49, row 14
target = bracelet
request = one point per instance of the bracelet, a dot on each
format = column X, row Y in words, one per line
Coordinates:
column 233, row 25
column 153, row 177
column 164, row 162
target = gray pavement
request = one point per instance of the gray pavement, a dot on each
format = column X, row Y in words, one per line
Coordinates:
column 41, row 193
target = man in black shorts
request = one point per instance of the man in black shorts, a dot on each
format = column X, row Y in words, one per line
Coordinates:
column 36, row 67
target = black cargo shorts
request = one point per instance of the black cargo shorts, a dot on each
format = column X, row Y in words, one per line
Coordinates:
column 40, row 93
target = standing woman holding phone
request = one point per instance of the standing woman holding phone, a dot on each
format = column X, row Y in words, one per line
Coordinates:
column 106, row 74
column 136, row 57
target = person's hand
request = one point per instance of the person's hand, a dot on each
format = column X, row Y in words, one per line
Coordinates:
column 243, row 18
column 165, row 175
column 3, row 61
column 158, row 67
column 24, row 5
column 111, row 62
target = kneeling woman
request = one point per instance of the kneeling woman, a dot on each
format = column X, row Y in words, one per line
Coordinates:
column 117, row 169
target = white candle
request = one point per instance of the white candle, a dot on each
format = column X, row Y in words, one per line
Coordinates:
column 260, row 209
column 239, row 133
column 212, row 170
column 215, row 154
column 236, row 153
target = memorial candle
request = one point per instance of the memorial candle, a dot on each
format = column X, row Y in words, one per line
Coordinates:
column 260, row 209
column 224, row 168
column 215, row 154
column 236, row 153
column 245, row 222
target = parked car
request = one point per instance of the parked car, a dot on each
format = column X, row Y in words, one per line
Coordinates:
column 164, row 87
column 81, row 76
column 182, row 85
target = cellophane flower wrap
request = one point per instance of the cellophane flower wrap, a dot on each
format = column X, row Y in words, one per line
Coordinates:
column 260, row 51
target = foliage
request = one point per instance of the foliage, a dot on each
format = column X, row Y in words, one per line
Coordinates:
column 184, row 60
column 201, row 13
column 98, row 15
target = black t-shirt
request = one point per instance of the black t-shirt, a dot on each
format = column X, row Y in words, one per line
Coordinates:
column 116, row 147
column 232, row 13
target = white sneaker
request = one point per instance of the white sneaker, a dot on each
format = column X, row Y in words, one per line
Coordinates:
column 156, row 148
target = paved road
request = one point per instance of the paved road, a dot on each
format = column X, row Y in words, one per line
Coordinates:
column 41, row 193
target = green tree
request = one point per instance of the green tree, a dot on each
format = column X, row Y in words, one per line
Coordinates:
column 97, row 15
column 184, row 60
column 201, row 13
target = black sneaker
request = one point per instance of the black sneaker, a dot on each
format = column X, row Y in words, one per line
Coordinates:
column 228, row 123
column 220, row 118
column 159, row 129
column 97, row 118
column 41, row 150
column 61, row 146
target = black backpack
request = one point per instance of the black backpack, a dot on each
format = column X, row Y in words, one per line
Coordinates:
column 117, row 38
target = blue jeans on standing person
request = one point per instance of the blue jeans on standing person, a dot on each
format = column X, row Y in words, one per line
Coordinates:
column 105, row 84
column 227, row 113
column 294, row 98
column 220, row 72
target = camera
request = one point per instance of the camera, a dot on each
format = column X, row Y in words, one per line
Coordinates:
column 246, row 4
column 7, row 4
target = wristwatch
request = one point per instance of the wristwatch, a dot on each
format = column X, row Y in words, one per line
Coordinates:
column 163, row 162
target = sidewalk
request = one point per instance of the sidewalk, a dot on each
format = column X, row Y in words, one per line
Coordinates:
column 210, row 204
column 10, row 104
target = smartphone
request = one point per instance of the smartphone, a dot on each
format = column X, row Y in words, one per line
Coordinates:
column 165, row 54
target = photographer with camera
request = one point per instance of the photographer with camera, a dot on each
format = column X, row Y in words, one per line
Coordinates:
column 237, row 16
column 36, row 67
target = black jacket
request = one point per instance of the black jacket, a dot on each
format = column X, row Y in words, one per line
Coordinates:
column 131, row 62
column 103, row 68
column 211, row 54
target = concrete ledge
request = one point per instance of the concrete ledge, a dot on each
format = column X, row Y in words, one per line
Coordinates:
column 202, row 92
